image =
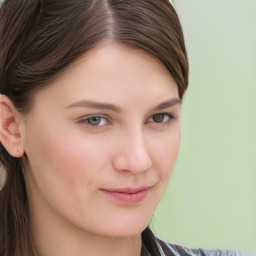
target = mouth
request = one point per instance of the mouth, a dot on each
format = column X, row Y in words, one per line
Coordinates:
column 128, row 195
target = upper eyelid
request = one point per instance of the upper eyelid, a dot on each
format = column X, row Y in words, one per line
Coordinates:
column 92, row 115
column 169, row 109
column 170, row 115
column 109, row 119
column 164, row 113
column 84, row 121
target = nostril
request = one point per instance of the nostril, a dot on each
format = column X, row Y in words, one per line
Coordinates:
column 132, row 162
column 132, row 152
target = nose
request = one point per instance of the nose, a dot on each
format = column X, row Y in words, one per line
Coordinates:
column 132, row 154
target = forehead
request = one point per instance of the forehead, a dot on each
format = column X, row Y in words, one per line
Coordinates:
column 113, row 72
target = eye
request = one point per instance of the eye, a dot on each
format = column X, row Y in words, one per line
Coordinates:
column 95, row 121
column 161, row 118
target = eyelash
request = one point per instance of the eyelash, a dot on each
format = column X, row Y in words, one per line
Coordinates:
column 86, row 120
column 169, row 116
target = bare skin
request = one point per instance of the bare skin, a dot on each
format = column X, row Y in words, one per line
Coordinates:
column 100, row 143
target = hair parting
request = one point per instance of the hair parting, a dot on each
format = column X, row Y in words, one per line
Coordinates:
column 39, row 40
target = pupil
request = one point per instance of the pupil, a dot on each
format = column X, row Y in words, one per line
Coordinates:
column 94, row 120
column 159, row 118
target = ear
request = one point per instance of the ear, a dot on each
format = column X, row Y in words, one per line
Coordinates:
column 10, row 127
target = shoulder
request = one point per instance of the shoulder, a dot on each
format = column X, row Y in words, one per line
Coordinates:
column 167, row 249
column 156, row 247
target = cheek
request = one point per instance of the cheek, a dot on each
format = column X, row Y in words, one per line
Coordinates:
column 165, row 154
column 63, row 162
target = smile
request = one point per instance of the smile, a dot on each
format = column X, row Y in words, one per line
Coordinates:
column 128, row 195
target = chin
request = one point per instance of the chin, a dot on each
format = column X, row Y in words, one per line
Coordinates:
column 126, row 232
column 127, row 229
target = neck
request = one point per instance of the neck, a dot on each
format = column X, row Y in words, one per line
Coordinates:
column 52, row 236
column 92, row 246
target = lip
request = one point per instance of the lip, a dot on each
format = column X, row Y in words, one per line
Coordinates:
column 128, row 195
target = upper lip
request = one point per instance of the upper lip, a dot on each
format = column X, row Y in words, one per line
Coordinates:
column 127, row 190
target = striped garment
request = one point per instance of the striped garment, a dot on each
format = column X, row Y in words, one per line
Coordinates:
column 161, row 248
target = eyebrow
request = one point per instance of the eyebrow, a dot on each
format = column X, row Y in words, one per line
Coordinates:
column 94, row 104
column 115, row 108
column 167, row 104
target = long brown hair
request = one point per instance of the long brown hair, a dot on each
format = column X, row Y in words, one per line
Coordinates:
column 40, row 39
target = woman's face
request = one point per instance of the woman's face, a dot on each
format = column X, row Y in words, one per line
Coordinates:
column 101, row 142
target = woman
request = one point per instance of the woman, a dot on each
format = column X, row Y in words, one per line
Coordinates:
column 90, row 131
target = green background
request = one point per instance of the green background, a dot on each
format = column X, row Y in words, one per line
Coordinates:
column 211, row 197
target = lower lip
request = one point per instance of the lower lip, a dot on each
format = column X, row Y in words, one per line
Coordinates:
column 128, row 198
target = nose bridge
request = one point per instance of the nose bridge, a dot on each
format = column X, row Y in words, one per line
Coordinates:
column 133, row 153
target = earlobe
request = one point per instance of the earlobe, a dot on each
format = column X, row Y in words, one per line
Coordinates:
column 10, row 120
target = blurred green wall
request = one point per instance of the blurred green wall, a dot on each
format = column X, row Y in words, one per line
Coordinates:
column 211, row 198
